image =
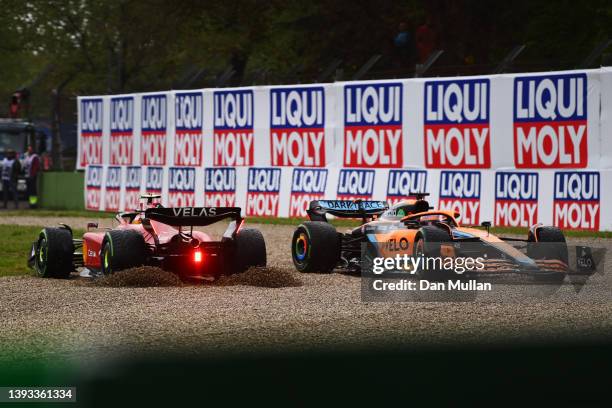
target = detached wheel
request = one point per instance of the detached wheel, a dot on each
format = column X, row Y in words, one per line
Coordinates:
column 549, row 243
column 122, row 250
column 315, row 247
column 53, row 253
column 428, row 243
column 250, row 250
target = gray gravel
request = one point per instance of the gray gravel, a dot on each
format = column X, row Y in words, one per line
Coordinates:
column 70, row 319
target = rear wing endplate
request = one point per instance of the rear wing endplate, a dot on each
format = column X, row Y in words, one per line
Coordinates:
column 345, row 209
column 192, row 216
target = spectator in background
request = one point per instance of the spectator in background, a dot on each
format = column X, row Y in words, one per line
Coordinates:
column 32, row 167
column 11, row 167
column 404, row 45
column 425, row 40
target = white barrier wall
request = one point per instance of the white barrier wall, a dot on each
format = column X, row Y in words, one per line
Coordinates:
column 513, row 149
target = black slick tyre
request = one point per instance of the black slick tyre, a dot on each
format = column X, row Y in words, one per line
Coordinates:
column 250, row 250
column 53, row 253
column 549, row 243
column 122, row 249
column 315, row 247
column 428, row 243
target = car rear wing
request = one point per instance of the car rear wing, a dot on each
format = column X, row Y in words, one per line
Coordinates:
column 193, row 216
column 345, row 209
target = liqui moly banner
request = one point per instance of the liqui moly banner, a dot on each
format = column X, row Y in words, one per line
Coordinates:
column 373, row 135
column 550, row 121
column 532, row 146
column 133, row 184
column 233, row 141
column 577, row 200
column 525, row 121
column 516, row 199
column 112, row 189
column 154, row 182
column 306, row 185
column 94, row 176
column 121, row 130
column 263, row 192
column 457, row 124
column 220, row 187
column 355, row 184
column 297, row 126
column 188, row 129
column 154, row 130
column 567, row 199
column 402, row 184
column 460, row 192
column 181, row 187
column 91, row 119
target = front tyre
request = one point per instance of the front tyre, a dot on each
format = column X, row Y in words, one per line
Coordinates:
column 548, row 243
column 428, row 243
column 555, row 246
column 122, row 249
column 315, row 247
column 53, row 253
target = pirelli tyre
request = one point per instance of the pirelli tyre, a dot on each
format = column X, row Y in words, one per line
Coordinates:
column 315, row 247
column 122, row 249
column 53, row 253
column 548, row 243
column 250, row 250
column 428, row 243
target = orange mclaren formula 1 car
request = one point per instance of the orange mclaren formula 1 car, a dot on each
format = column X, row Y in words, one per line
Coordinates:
column 412, row 227
column 154, row 236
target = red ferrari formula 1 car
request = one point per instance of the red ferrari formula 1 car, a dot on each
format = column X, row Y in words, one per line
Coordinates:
column 153, row 236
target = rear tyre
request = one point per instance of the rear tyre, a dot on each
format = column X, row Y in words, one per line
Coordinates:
column 122, row 250
column 315, row 247
column 53, row 253
column 428, row 243
column 250, row 250
column 554, row 247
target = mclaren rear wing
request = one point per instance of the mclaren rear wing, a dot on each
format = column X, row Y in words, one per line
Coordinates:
column 193, row 216
column 363, row 209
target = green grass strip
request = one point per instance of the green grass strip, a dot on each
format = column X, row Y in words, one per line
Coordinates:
column 15, row 244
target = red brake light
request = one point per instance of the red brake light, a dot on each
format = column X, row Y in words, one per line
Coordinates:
column 197, row 256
